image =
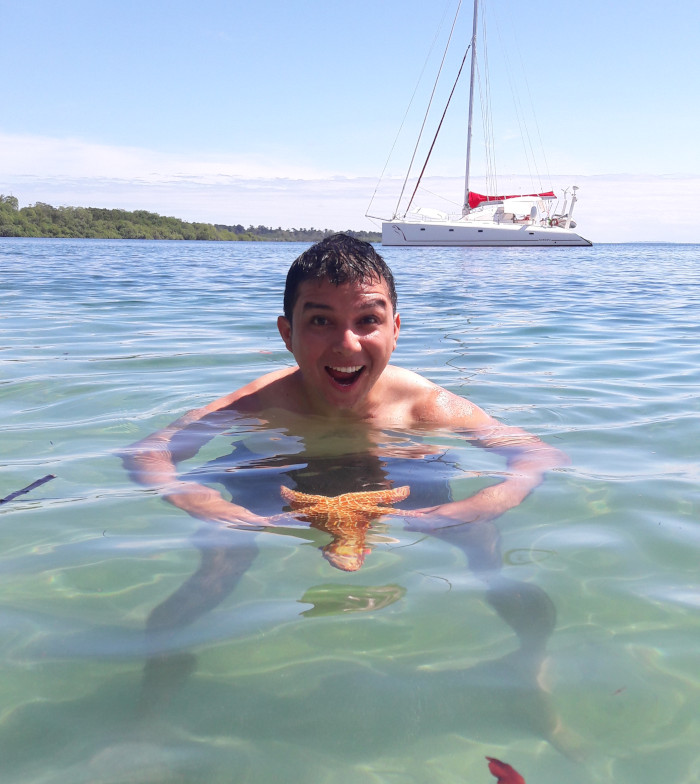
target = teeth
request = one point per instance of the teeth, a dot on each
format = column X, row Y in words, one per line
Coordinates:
column 353, row 369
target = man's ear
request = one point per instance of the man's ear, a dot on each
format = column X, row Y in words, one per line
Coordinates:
column 285, row 328
column 397, row 327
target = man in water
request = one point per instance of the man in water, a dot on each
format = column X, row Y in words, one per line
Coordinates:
column 341, row 324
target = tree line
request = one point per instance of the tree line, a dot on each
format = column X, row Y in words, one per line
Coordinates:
column 43, row 220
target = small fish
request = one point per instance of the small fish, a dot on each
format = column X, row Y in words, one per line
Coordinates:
column 504, row 773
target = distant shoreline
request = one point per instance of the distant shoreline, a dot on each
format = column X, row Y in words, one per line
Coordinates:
column 45, row 221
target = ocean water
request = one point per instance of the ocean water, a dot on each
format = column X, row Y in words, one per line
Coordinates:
column 127, row 656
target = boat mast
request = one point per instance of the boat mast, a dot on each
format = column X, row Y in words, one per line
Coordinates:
column 465, row 206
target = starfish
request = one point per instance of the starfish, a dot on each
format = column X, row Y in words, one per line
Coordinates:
column 346, row 518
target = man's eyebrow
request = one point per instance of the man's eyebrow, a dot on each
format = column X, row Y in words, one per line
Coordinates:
column 379, row 302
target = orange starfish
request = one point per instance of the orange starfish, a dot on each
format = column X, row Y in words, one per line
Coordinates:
column 346, row 518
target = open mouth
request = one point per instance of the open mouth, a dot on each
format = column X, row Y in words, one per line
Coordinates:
column 345, row 376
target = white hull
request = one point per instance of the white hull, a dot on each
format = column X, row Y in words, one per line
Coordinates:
column 530, row 219
column 459, row 234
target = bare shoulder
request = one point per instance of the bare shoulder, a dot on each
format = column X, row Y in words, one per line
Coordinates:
column 428, row 403
column 272, row 390
column 263, row 393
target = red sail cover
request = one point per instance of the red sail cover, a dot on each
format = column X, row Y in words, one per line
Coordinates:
column 475, row 199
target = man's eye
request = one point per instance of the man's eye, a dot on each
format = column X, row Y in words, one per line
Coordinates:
column 319, row 321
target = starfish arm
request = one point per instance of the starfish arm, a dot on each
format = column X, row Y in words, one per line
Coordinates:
column 359, row 500
column 299, row 499
column 373, row 498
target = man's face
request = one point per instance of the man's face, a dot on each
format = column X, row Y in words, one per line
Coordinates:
column 342, row 338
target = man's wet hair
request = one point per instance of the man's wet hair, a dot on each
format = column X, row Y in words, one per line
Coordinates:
column 339, row 259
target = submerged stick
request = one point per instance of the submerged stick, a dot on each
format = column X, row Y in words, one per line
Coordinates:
column 26, row 489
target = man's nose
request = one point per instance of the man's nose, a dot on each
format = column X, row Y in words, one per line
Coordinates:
column 348, row 341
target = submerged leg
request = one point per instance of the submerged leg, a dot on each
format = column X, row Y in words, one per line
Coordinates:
column 529, row 611
column 220, row 569
column 526, row 608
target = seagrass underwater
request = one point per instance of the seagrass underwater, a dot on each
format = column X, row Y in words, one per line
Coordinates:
column 399, row 671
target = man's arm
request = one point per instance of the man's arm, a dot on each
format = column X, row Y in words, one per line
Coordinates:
column 527, row 459
column 152, row 462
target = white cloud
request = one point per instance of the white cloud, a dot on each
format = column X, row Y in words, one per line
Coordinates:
column 49, row 157
column 241, row 189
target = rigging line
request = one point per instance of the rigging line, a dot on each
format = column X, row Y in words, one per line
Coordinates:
column 533, row 114
column 524, row 120
column 442, row 119
column 490, row 174
column 425, row 118
column 528, row 152
column 484, row 82
column 408, row 109
column 484, row 85
column 440, row 196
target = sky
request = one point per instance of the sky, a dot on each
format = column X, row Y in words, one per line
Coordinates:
column 282, row 113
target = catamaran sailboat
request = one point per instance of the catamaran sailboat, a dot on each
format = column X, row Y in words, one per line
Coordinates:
column 533, row 219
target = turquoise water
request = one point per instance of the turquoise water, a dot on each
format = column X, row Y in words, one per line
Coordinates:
column 404, row 671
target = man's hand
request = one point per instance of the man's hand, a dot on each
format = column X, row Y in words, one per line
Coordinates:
column 487, row 504
column 209, row 505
